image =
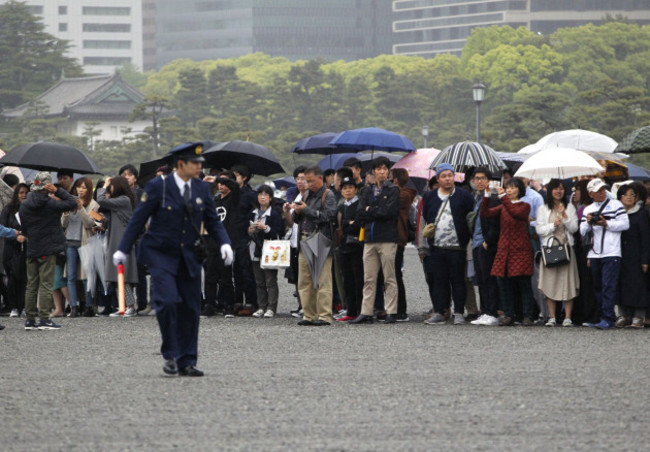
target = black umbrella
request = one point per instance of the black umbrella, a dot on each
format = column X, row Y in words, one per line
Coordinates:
column 148, row 169
column 317, row 144
column 46, row 156
column 258, row 159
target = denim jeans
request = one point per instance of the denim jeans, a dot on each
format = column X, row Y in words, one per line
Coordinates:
column 72, row 262
column 605, row 271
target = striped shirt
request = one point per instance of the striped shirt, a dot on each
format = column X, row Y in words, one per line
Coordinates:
column 617, row 222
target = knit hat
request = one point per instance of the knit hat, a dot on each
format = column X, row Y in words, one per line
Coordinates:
column 41, row 180
column 444, row 167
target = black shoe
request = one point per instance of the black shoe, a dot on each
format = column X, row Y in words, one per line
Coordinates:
column 321, row 322
column 381, row 315
column 89, row 312
column 361, row 319
column 74, row 312
column 304, row 322
column 390, row 318
column 208, row 311
column 190, row 371
column 170, row 367
column 527, row 322
column 67, row 310
column 2, row 327
column 402, row 317
column 471, row 317
column 506, row 321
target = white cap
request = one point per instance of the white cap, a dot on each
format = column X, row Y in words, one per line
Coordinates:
column 595, row 185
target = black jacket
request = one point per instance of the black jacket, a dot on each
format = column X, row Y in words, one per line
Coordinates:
column 228, row 208
column 380, row 219
column 490, row 227
column 350, row 237
column 40, row 216
column 247, row 202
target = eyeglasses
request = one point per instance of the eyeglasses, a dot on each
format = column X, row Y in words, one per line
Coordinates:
column 480, row 178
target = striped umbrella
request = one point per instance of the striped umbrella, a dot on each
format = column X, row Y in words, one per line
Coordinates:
column 636, row 142
column 469, row 154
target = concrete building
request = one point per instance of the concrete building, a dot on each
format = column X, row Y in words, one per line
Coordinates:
column 296, row 29
column 103, row 34
column 429, row 27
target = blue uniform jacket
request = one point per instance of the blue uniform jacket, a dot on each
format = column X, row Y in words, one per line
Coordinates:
column 170, row 236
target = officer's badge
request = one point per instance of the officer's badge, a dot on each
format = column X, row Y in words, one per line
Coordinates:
column 198, row 150
column 199, row 201
column 144, row 196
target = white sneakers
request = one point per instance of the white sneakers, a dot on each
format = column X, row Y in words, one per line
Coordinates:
column 130, row 312
column 14, row 313
column 267, row 315
column 551, row 322
column 567, row 322
column 486, row 320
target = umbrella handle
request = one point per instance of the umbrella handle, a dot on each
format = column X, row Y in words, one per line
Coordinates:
column 120, row 288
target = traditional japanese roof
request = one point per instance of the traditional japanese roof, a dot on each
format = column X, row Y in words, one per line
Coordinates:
column 100, row 95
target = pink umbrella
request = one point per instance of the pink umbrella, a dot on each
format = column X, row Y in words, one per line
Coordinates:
column 417, row 164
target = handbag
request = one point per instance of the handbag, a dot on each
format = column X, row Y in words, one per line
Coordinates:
column 429, row 230
column 276, row 254
column 555, row 255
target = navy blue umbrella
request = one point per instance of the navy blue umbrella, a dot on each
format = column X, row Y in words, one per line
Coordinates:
column 287, row 181
column 334, row 161
column 373, row 138
column 636, row 172
column 317, row 144
column 365, row 157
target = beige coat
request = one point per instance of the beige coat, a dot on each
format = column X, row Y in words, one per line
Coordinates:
column 87, row 230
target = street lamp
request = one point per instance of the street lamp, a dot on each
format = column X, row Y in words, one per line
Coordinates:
column 478, row 92
column 425, row 134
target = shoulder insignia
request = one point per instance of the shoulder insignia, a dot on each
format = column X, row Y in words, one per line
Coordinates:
column 144, row 196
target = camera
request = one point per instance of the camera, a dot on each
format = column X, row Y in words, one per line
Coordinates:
column 595, row 219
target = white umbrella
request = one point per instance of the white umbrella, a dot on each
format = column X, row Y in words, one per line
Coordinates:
column 580, row 140
column 558, row 163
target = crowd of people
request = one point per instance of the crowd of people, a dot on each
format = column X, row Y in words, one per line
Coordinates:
column 488, row 247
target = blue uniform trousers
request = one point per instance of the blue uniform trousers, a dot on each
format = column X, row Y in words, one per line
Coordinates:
column 177, row 301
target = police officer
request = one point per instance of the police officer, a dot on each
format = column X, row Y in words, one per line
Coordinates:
column 176, row 204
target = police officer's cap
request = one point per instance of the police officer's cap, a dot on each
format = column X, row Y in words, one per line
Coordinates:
column 191, row 152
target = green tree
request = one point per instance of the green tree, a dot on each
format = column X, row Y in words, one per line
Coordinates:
column 192, row 97
column 152, row 107
column 31, row 59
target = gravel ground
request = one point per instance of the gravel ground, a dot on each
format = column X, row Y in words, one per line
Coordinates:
column 96, row 384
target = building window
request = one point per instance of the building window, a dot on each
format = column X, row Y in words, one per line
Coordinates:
column 106, row 61
column 63, row 26
column 106, row 11
column 63, row 10
column 99, row 44
column 108, row 28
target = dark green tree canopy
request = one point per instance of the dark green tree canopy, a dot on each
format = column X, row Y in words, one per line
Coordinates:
column 31, row 60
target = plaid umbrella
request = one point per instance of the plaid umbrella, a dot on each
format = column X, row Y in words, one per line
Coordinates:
column 636, row 142
column 469, row 154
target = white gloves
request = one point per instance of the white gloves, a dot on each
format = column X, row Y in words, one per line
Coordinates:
column 226, row 254
column 119, row 258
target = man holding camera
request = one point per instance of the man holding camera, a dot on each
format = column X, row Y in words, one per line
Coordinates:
column 606, row 218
